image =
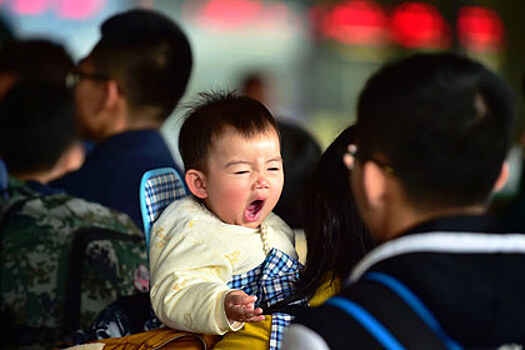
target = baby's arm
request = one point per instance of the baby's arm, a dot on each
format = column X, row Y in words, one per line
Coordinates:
column 189, row 287
column 240, row 307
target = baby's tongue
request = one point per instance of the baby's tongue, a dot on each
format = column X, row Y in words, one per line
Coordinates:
column 252, row 211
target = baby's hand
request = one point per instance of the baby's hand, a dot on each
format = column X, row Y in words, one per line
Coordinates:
column 240, row 307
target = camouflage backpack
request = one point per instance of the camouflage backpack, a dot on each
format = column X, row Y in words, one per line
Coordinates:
column 63, row 261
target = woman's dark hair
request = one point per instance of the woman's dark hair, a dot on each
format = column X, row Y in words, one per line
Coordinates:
column 336, row 236
column 301, row 153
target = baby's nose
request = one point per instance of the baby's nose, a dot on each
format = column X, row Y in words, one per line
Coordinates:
column 262, row 183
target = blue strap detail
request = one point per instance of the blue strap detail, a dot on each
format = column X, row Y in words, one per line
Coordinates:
column 417, row 305
column 158, row 188
column 4, row 176
column 374, row 327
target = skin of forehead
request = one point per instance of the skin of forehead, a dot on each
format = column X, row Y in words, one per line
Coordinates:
column 231, row 133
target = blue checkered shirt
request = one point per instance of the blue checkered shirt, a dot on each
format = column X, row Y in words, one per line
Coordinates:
column 272, row 281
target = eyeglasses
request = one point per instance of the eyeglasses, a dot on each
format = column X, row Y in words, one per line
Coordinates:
column 352, row 155
column 73, row 77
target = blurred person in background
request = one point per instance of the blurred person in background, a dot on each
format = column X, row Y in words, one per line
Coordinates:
column 32, row 59
column 254, row 85
column 423, row 173
column 41, row 227
column 125, row 89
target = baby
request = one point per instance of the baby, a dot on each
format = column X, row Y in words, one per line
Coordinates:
column 218, row 256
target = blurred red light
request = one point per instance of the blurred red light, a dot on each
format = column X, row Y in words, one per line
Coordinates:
column 356, row 22
column 28, row 7
column 70, row 9
column 416, row 24
column 74, row 9
column 228, row 14
column 480, row 28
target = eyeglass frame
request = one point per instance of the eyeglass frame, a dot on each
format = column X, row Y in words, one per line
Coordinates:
column 352, row 155
column 73, row 77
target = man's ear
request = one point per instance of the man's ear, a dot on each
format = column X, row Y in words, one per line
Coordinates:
column 112, row 94
column 503, row 177
column 374, row 183
column 114, row 108
column 196, row 181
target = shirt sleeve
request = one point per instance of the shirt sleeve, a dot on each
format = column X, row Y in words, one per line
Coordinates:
column 189, row 283
column 299, row 337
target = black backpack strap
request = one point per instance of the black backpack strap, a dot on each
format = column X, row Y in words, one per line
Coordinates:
column 392, row 314
column 77, row 254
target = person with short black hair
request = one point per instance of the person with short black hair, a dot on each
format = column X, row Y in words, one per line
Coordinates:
column 40, row 59
column 33, row 58
column 433, row 131
column 41, row 226
column 220, row 258
column 125, row 89
column 37, row 136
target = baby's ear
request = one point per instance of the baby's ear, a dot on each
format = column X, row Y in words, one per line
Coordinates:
column 196, row 181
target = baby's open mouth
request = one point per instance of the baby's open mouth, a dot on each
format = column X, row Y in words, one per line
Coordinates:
column 253, row 210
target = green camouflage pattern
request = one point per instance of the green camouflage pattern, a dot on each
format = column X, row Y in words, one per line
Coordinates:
column 35, row 259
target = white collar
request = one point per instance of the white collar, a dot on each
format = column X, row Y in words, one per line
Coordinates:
column 441, row 242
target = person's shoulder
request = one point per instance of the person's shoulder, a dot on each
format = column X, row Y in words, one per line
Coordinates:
column 23, row 199
column 88, row 175
column 67, row 213
column 184, row 208
column 299, row 337
column 96, row 214
column 180, row 216
column 48, row 207
column 184, row 223
column 17, row 189
column 49, row 219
